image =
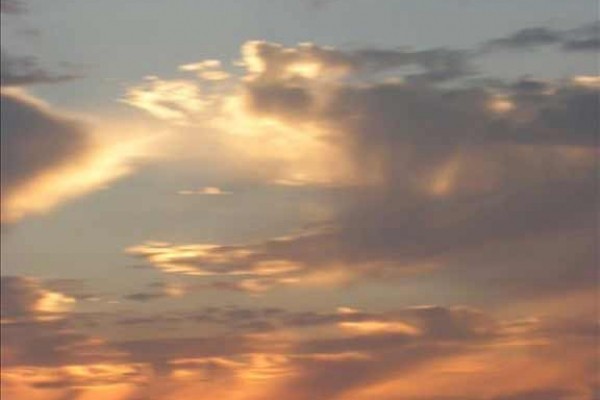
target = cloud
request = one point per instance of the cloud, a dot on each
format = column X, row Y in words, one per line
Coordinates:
column 283, row 83
column 488, row 186
column 18, row 70
column 144, row 296
column 49, row 157
column 25, row 299
column 297, row 109
column 269, row 62
column 159, row 290
column 529, row 37
column 22, row 70
column 43, row 358
column 175, row 101
column 347, row 354
column 434, row 176
column 206, row 191
column 583, row 38
column 208, row 70
column 345, row 364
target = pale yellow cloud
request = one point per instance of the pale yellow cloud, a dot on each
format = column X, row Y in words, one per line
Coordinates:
column 306, row 115
column 374, row 326
column 590, row 81
column 207, row 190
column 209, row 70
column 26, row 299
column 278, row 150
column 177, row 101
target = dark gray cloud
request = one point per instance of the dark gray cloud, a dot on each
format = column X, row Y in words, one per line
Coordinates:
column 145, row 296
column 25, row 70
column 435, row 64
column 529, row 37
column 20, row 70
column 407, row 132
column 43, row 152
column 36, row 140
column 459, row 178
column 584, row 38
column 18, row 296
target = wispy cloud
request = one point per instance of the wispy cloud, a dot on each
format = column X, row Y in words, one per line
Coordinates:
column 205, row 191
column 583, row 38
column 49, row 157
column 24, row 70
column 307, row 354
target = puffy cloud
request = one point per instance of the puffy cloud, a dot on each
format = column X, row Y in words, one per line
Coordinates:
column 49, row 157
column 298, row 109
column 209, row 70
column 270, row 62
column 280, row 84
column 435, row 176
column 176, row 101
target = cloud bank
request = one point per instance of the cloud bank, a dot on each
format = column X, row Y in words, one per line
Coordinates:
column 348, row 354
column 435, row 176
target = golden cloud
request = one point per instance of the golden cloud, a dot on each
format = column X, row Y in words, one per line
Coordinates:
column 52, row 158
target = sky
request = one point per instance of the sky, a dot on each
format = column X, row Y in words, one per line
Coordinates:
column 299, row 199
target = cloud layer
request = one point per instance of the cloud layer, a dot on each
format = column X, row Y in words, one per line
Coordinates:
column 347, row 354
column 475, row 186
column 483, row 186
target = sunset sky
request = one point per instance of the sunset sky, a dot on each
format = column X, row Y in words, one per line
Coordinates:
column 299, row 200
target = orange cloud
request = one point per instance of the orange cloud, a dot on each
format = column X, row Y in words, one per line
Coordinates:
column 426, row 352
